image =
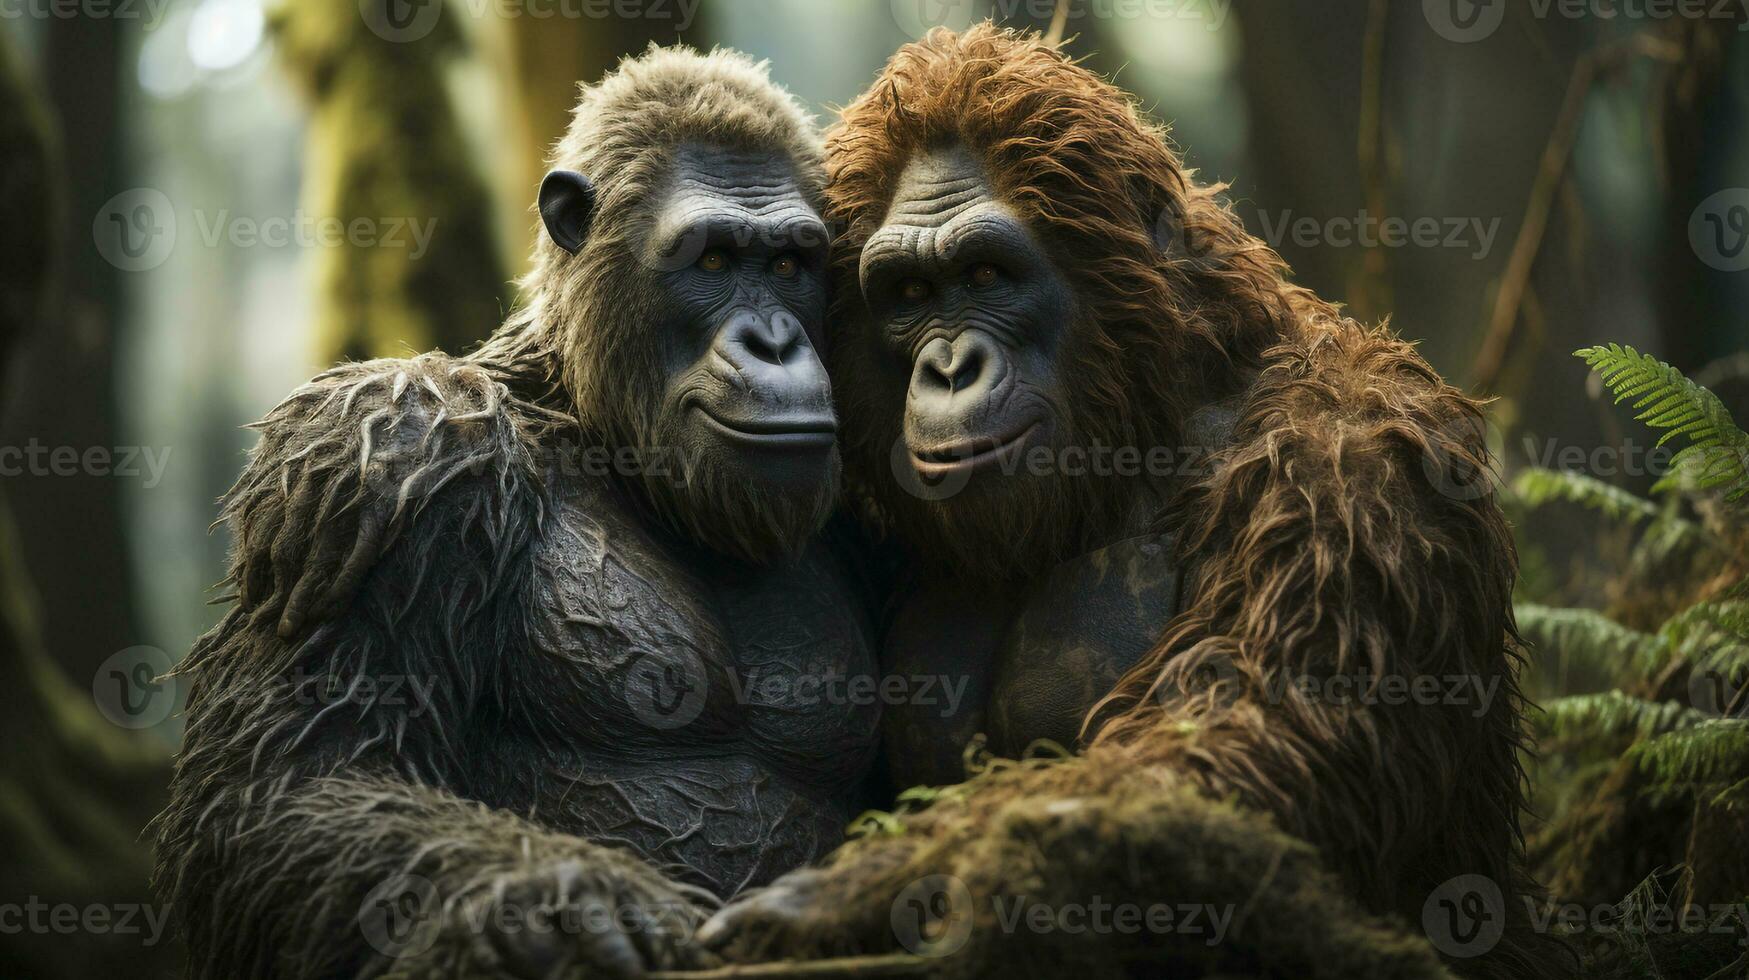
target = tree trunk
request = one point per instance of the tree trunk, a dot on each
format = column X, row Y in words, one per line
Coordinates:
column 385, row 153
column 75, row 791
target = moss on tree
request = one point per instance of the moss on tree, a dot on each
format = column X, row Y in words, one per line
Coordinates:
column 385, row 149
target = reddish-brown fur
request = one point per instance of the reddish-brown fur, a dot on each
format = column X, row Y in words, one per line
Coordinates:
column 1348, row 528
column 1177, row 301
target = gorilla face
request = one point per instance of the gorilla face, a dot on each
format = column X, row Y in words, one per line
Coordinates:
column 732, row 300
column 971, row 318
column 977, row 310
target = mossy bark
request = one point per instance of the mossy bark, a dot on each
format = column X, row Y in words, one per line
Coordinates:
column 386, row 161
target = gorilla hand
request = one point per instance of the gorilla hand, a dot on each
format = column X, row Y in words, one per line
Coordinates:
column 562, row 919
column 1078, row 866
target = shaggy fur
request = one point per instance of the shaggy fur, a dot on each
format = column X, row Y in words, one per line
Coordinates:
column 383, row 531
column 1347, row 528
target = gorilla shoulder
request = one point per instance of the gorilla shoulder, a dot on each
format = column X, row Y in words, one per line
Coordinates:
column 351, row 459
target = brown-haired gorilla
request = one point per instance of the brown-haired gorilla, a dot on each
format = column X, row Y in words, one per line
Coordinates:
column 518, row 677
column 1027, row 273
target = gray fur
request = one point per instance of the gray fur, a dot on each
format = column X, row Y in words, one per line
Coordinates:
column 406, row 519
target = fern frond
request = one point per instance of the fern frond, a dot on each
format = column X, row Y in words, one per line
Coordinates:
column 1538, row 486
column 1713, row 639
column 1728, row 619
column 1717, row 452
column 1714, row 751
column 1667, row 536
column 1589, row 637
column 1734, row 795
column 1613, row 714
column 1711, row 636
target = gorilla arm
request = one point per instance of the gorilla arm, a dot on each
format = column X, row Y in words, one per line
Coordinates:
column 383, row 532
column 1346, row 534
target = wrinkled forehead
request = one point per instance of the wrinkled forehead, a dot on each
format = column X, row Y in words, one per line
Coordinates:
column 938, row 185
column 944, row 207
column 749, row 195
column 748, row 182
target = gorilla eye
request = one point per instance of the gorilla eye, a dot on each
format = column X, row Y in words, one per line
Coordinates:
column 984, row 275
column 714, row 260
column 914, row 290
column 785, row 266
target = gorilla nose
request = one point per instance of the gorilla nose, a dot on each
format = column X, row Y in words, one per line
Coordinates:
column 772, row 340
column 778, row 382
column 962, row 412
column 951, row 376
column 772, row 354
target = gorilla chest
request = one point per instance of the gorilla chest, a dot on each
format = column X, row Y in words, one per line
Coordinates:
column 698, row 711
column 661, row 650
column 1030, row 662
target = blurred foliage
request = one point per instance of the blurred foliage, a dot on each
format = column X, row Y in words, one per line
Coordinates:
column 385, row 148
column 29, row 209
column 75, row 792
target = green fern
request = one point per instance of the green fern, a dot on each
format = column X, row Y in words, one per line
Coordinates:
column 1713, row 637
column 1667, row 537
column 1538, row 486
column 1726, row 620
column 1612, row 714
column 1589, row 637
column 1716, row 451
column 1708, row 636
column 1733, row 795
column 1713, row 752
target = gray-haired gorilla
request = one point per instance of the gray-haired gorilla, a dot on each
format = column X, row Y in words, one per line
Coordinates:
column 529, row 651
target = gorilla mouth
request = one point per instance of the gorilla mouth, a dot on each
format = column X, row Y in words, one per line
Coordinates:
column 977, row 453
column 806, row 434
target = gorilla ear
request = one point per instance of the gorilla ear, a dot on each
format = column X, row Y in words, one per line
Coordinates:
column 567, row 203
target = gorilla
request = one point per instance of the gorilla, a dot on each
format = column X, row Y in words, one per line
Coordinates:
column 486, row 702
column 1161, row 506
